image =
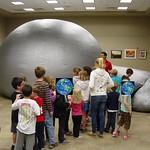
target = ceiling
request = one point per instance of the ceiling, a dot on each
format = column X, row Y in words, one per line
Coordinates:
column 41, row 6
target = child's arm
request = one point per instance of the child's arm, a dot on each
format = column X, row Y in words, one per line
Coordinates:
column 127, row 104
column 36, row 109
column 15, row 105
column 91, row 82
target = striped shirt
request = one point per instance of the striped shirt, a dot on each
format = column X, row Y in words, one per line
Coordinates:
column 44, row 93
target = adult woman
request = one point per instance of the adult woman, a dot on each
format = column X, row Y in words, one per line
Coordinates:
column 99, row 81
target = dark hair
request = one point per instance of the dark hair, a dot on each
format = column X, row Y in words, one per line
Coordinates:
column 124, row 77
column 87, row 69
column 129, row 71
column 39, row 72
column 105, row 54
column 27, row 90
column 16, row 81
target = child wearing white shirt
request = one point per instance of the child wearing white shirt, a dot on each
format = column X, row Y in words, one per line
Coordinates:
column 28, row 110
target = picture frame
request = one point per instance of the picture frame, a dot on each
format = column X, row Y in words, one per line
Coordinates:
column 130, row 53
column 116, row 54
column 142, row 54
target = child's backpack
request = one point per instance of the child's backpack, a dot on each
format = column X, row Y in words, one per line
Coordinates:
column 60, row 106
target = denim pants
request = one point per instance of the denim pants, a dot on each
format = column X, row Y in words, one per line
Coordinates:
column 50, row 128
column 98, row 106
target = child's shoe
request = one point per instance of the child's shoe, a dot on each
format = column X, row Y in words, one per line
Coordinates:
column 115, row 133
column 125, row 137
column 92, row 134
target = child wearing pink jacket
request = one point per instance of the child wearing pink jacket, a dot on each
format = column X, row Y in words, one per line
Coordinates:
column 76, row 107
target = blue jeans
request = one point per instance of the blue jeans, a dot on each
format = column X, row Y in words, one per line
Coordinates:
column 98, row 106
column 50, row 128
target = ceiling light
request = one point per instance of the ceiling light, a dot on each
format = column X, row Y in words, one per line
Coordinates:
column 88, row 1
column 29, row 9
column 52, row 2
column 90, row 8
column 59, row 8
column 125, row 1
column 122, row 8
column 17, row 3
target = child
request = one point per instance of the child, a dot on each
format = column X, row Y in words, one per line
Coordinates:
column 76, row 106
column 52, row 92
column 83, row 86
column 76, row 71
column 60, row 107
column 28, row 110
column 112, row 108
column 129, row 73
column 116, row 79
column 47, row 105
column 17, row 84
column 126, row 107
column 39, row 141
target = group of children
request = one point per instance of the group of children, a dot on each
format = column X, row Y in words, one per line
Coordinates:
column 35, row 108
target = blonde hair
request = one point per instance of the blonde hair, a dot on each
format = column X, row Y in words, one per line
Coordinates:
column 76, row 70
column 114, row 72
column 76, row 97
column 51, row 81
column 100, row 62
column 36, row 90
column 83, row 75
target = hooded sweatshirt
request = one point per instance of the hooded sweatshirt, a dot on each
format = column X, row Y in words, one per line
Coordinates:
column 99, row 81
column 83, row 86
column 75, row 79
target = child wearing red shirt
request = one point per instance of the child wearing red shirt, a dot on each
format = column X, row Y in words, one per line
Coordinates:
column 39, row 136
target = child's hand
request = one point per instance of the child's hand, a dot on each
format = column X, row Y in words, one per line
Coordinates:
column 54, row 93
column 51, row 114
column 130, row 112
column 18, row 96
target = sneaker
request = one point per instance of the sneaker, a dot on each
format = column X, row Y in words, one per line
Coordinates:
column 92, row 134
column 125, row 137
column 78, row 137
column 64, row 142
column 55, row 144
column 115, row 133
column 100, row 135
column 69, row 133
column 51, row 146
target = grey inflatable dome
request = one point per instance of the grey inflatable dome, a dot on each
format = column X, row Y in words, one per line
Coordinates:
column 54, row 44
column 141, row 100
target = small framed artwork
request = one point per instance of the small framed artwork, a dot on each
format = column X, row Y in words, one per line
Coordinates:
column 130, row 53
column 116, row 54
column 142, row 54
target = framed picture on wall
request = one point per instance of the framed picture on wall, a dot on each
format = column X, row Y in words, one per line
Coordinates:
column 130, row 53
column 142, row 54
column 116, row 54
